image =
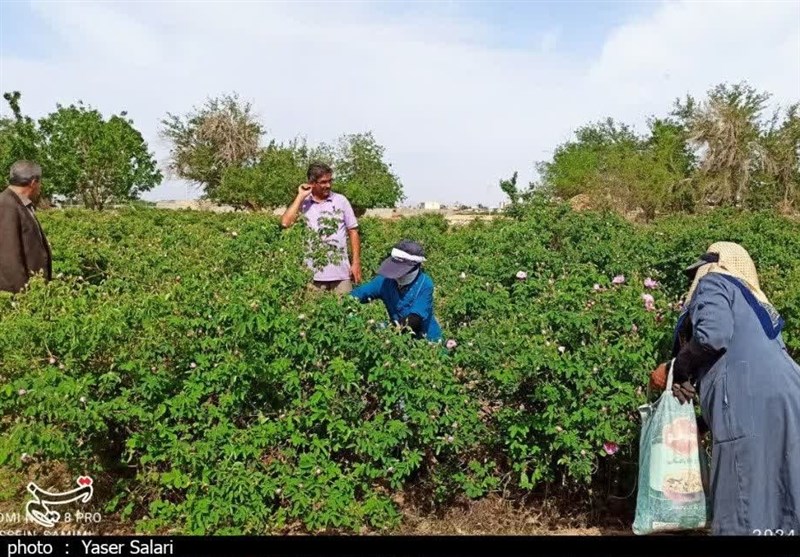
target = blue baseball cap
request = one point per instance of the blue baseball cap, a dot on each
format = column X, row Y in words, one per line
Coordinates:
column 405, row 257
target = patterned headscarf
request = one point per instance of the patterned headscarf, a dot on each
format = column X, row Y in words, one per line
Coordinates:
column 735, row 262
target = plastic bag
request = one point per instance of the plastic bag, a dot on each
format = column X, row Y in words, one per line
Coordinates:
column 673, row 473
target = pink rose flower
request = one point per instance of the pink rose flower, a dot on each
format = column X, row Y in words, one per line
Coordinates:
column 619, row 279
column 649, row 302
column 451, row 344
column 650, row 283
column 522, row 275
column 610, row 447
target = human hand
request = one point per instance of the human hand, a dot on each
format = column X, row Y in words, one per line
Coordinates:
column 684, row 392
column 355, row 271
column 658, row 378
column 304, row 190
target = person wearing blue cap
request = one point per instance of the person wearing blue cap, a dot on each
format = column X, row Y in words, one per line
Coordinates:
column 405, row 289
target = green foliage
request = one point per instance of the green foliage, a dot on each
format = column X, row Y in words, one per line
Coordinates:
column 84, row 157
column 94, row 160
column 179, row 355
column 612, row 164
column 361, row 173
column 19, row 136
column 782, row 177
column 268, row 183
column 718, row 151
column 576, row 164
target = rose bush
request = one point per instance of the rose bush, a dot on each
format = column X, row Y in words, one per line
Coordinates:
column 179, row 356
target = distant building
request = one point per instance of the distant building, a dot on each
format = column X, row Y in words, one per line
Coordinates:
column 431, row 206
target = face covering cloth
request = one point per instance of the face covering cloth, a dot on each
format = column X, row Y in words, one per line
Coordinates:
column 407, row 279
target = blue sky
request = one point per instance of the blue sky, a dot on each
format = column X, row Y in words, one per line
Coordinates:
column 461, row 94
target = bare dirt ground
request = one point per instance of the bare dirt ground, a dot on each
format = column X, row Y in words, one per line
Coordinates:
column 495, row 516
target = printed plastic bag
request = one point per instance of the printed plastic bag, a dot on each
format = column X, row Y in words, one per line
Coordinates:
column 673, row 478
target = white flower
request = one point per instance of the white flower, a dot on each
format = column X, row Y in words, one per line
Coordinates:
column 234, row 234
column 302, row 316
column 462, row 276
column 52, row 361
column 522, row 275
column 193, row 365
column 83, row 400
column 450, row 438
column 22, row 392
column 562, row 349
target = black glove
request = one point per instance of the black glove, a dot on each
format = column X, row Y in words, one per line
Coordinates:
column 414, row 322
column 691, row 358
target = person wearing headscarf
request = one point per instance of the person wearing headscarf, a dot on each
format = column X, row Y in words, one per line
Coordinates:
column 728, row 348
column 405, row 289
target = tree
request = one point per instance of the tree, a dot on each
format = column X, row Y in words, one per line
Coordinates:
column 19, row 137
column 360, row 171
column 613, row 166
column 221, row 134
column 576, row 164
column 94, row 160
column 782, row 145
column 268, row 183
column 726, row 128
column 509, row 187
column 672, row 164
